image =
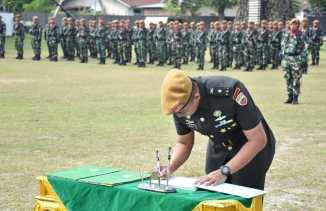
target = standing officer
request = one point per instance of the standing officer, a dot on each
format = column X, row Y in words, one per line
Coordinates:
column 224, row 45
column 216, row 45
column 2, row 38
column 161, row 44
column 201, row 37
column 241, row 144
column 64, row 26
column 185, row 42
column 92, row 39
column 129, row 41
column 262, row 46
column 151, row 43
column 176, row 49
column 237, row 45
column 53, row 39
column 294, row 53
column 36, row 40
column 121, row 43
column 142, row 38
column 250, row 46
column 69, row 34
column 192, row 45
column 276, row 38
column 316, row 42
column 83, row 35
column 19, row 34
column 101, row 36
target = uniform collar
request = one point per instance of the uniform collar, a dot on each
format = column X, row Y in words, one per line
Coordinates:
column 203, row 102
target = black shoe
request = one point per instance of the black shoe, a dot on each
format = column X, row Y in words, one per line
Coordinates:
column 295, row 100
column 317, row 61
column 2, row 56
column 289, row 100
column 54, row 59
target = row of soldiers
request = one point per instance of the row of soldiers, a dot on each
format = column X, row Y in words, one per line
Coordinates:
column 244, row 44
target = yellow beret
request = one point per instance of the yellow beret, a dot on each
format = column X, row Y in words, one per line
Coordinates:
column 176, row 89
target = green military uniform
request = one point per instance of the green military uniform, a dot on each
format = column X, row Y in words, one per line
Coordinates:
column 215, row 49
column 69, row 34
column 201, row 48
column 36, row 40
column 63, row 41
column 210, row 38
column 151, row 46
column 306, row 33
column 192, row 45
column 76, row 43
column 262, row 48
column 101, row 37
column 52, row 39
column 122, row 46
column 136, row 43
column 129, row 44
column 237, row 47
column 316, row 42
column 2, row 39
column 114, row 43
column 92, row 42
column 185, row 45
column 142, row 39
column 83, row 37
column 275, row 43
column 224, row 45
column 19, row 34
column 225, row 110
column 294, row 53
column 249, row 41
column 161, row 45
column 169, row 39
column 176, row 48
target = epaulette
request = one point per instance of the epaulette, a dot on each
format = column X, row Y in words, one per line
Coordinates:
column 220, row 91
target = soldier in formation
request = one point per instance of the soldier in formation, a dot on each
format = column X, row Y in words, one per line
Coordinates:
column 2, row 37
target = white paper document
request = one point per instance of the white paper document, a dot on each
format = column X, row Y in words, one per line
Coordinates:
column 236, row 190
column 188, row 183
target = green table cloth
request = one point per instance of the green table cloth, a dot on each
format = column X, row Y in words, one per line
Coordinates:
column 79, row 196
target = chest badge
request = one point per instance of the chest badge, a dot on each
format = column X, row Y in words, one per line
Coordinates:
column 217, row 113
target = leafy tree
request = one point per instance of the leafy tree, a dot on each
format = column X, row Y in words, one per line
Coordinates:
column 183, row 7
column 221, row 5
column 318, row 3
column 39, row 6
column 16, row 5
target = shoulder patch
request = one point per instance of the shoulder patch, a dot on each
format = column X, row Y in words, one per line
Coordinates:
column 239, row 97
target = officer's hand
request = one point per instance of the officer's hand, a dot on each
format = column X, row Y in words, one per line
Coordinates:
column 213, row 178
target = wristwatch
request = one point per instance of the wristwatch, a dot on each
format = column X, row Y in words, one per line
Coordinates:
column 225, row 170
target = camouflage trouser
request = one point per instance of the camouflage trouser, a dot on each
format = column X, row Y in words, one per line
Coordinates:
column 275, row 56
column 262, row 55
column 237, row 55
column 53, row 48
column 293, row 72
column 92, row 47
column 128, row 51
column 176, row 54
column 169, row 52
column 136, row 49
column 315, row 53
column 215, row 52
column 151, row 51
column 121, row 52
column 185, row 51
column 115, row 50
column 70, row 48
column 76, row 46
column 211, row 53
column 2, row 45
column 142, row 51
column 101, row 49
column 19, row 45
column 230, row 57
column 223, row 56
column 63, row 46
column 249, row 57
column 200, row 51
column 36, row 45
column 83, row 49
column 161, row 48
column 192, row 52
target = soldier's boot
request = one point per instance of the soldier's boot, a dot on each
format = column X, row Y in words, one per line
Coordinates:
column 289, row 100
column 82, row 60
column 317, row 61
column 54, row 59
column 313, row 61
column 178, row 66
column 86, row 59
column 2, row 55
column 295, row 100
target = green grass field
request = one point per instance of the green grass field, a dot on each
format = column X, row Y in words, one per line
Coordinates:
column 66, row 114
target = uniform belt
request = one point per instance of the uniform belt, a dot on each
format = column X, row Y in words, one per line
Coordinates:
column 229, row 144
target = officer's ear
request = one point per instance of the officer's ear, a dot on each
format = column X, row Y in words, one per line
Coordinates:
column 196, row 92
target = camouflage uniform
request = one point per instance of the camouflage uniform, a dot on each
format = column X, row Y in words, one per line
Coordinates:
column 169, row 39
column 215, row 49
column 294, row 51
column 185, row 45
column 306, row 33
column 176, row 48
column 192, row 45
column 237, row 47
column 201, row 48
column 136, row 43
column 316, row 42
column 101, row 37
column 224, row 45
column 210, row 38
column 275, row 43
column 63, row 41
column 83, row 37
column 142, row 38
column 19, row 34
column 2, row 39
column 53, row 38
column 92, row 42
column 69, row 34
column 161, row 45
column 114, row 43
column 151, row 46
column 129, row 44
column 121, row 46
column 262, row 48
column 249, row 42
column 36, row 40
